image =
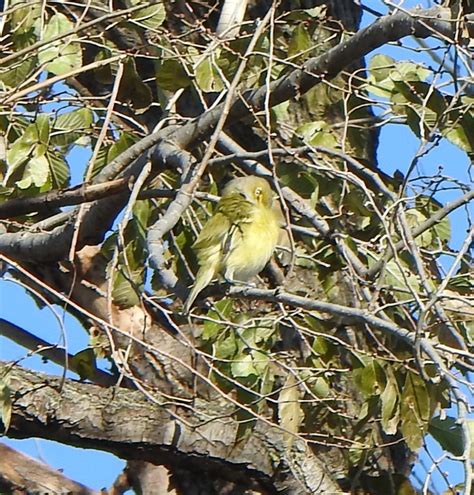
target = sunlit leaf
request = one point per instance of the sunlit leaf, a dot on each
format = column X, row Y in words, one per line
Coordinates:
column 17, row 73
column 84, row 363
column 225, row 347
column 379, row 82
column 59, row 170
column 63, row 55
column 414, row 411
column 37, row 167
column 171, row 76
column 428, row 206
column 243, row 366
column 25, row 17
column 300, row 41
column 42, row 124
column 290, row 414
column 390, row 404
column 150, row 17
column 70, row 126
column 317, row 133
column 208, row 77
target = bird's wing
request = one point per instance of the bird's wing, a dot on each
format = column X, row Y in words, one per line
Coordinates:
column 232, row 210
column 213, row 233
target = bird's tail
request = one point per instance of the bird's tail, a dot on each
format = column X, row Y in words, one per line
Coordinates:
column 203, row 279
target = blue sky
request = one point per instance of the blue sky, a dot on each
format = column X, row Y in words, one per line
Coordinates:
column 398, row 145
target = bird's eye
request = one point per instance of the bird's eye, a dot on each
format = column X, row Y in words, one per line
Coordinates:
column 258, row 191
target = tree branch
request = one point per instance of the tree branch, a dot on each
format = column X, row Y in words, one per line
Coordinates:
column 20, row 473
column 48, row 351
column 64, row 197
column 124, row 423
column 423, row 227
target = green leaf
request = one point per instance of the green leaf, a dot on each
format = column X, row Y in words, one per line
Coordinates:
column 319, row 386
column 389, row 398
column 409, row 71
column 125, row 292
column 280, row 111
column 133, row 89
column 59, row 170
column 380, row 67
column 398, row 279
column 370, row 379
column 428, row 206
column 243, row 366
column 84, row 364
column 107, row 154
column 460, row 131
column 300, row 41
column 260, row 361
column 414, row 218
column 42, row 124
column 211, row 330
column 207, row 76
column 414, row 411
column 150, row 17
column 5, row 404
column 171, row 76
column 448, row 433
column 379, row 82
column 17, row 155
column 225, row 347
column 317, row 133
column 24, row 18
column 11, row 77
column 322, row 346
column 142, row 211
column 63, row 55
column 69, row 127
column 37, row 168
column 361, row 442
column 290, row 414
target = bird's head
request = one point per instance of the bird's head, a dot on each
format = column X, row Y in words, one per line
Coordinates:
column 254, row 189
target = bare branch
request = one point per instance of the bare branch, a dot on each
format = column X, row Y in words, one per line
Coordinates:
column 64, row 197
column 49, row 351
column 21, row 473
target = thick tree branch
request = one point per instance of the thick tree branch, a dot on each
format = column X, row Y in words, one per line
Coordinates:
column 64, row 197
column 124, row 423
column 20, row 473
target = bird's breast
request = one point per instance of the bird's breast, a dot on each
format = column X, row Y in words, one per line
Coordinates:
column 253, row 245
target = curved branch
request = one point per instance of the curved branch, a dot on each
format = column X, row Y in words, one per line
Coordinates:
column 124, row 423
column 20, row 473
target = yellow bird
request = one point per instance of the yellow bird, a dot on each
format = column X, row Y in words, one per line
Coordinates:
column 239, row 239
